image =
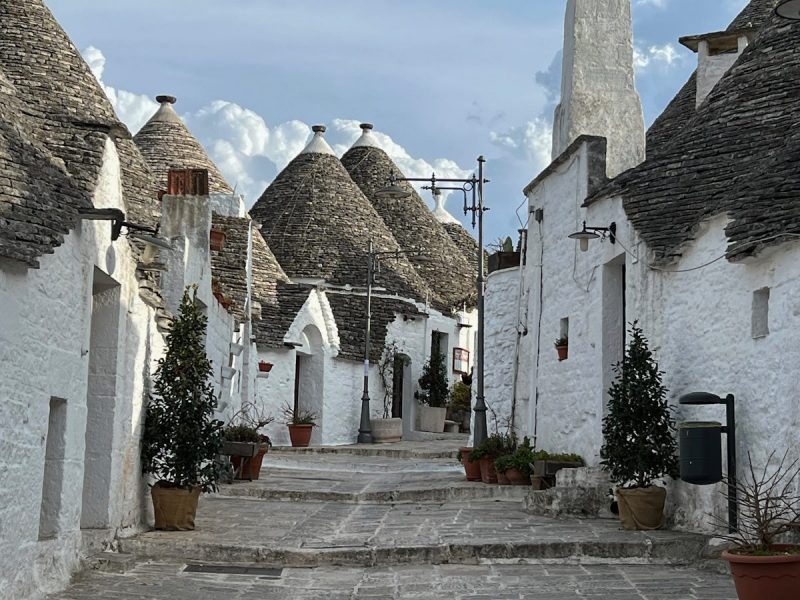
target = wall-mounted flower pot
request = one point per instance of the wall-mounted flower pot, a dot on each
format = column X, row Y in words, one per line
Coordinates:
column 217, row 239
column 236, row 349
column 563, row 352
column 228, row 372
column 300, row 435
column 264, row 367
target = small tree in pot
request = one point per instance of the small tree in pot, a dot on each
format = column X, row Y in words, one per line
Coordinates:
column 433, row 393
column 639, row 444
column 181, row 437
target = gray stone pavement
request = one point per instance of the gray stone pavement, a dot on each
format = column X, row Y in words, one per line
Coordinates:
column 167, row 581
column 397, row 522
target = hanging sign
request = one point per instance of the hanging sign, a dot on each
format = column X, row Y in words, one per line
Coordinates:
column 461, row 361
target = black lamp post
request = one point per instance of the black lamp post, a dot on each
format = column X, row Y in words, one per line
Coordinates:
column 373, row 259
column 473, row 185
column 789, row 9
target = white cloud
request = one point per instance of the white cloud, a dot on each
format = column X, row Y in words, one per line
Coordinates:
column 249, row 151
column 531, row 141
column 644, row 58
column 657, row 3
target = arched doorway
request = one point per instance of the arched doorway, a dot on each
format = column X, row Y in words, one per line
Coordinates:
column 309, row 379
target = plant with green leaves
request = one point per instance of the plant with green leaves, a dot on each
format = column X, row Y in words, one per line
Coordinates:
column 494, row 446
column 638, row 431
column 433, row 384
column 298, row 416
column 181, row 436
column 460, row 397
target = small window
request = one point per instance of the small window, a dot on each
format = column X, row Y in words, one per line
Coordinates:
column 563, row 330
column 54, row 459
column 760, row 317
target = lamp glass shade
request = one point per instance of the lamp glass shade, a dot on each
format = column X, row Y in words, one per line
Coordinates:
column 393, row 191
column 789, row 9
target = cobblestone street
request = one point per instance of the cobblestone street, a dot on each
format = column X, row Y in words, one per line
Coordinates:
column 395, row 524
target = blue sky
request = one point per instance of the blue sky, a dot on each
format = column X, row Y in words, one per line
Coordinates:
column 446, row 80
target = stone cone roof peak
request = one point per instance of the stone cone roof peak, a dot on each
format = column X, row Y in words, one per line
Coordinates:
column 318, row 144
column 367, row 138
column 166, row 143
column 440, row 212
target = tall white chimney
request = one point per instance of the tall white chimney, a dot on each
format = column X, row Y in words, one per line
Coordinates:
column 598, row 91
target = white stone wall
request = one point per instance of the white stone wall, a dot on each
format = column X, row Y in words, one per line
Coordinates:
column 711, row 67
column 44, row 349
column 502, row 302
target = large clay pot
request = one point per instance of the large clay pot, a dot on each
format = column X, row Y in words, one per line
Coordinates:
column 386, row 431
column 472, row 469
column 563, row 353
column 502, row 479
column 174, row 508
column 431, row 418
column 766, row 577
column 516, row 477
column 488, row 472
column 641, row 508
column 252, row 468
column 300, row 435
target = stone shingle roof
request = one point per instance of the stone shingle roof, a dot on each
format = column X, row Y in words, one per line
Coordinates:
column 755, row 14
column 229, row 265
column 350, row 309
column 62, row 110
column 736, row 156
column 466, row 243
column 669, row 123
column 318, row 223
column 442, row 265
column 166, row 143
column 278, row 311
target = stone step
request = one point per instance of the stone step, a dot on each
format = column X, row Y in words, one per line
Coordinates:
column 345, row 463
column 399, row 495
column 382, row 450
column 672, row 551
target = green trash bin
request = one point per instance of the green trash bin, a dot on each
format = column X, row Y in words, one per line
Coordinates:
column 700, row 450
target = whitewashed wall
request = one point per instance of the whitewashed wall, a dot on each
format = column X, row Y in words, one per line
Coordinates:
column 44, row 338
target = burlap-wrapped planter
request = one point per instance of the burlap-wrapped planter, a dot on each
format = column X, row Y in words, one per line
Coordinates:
column 174, row 508
column 641, row 508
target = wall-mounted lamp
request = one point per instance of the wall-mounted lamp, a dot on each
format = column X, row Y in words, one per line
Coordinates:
column 594, row 233
column 148, row 235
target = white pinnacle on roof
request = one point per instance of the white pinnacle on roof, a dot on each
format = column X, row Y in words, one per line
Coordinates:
column 318, row 145
column 440, row 212
column 366, row 139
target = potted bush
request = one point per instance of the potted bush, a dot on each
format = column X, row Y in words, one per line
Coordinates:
column 638, row 436
column 492, row 448
column 460, row 405
column 300, row 423
column 769, row 508
column 181, row 437
column 433, row 393
column 243, row 442
column 517, row 466
column 472, row 469
column 562, row 347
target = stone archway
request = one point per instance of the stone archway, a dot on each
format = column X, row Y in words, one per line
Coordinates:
column 310, row 378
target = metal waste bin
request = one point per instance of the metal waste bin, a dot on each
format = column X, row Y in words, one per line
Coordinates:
column 700, row 450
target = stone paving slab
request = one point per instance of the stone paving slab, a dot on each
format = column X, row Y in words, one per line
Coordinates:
column 321, row 533
column 345, row 485
column 443, row 448
column 167, row 581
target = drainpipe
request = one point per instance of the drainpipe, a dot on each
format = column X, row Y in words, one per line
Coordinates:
column 523, row 247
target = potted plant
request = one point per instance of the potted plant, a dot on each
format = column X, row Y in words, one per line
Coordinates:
column 217, row 239
column 517, row 466
column 432, row 394
column 503, row 255
column 769, row 508
column 562, row 347
column 472, row 469
column 181, row 437
column 300, row 423
column 638, row 436
column 243, row 442
column 460, row 405
column 487, row 452
column 388, row 429
column 264, row 366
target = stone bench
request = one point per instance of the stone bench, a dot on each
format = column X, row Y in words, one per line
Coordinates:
column 450, row 427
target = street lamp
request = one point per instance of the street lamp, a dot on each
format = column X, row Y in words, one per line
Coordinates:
column 594, row 233
column 373, row 264
column 789, row 9
column 473, row 185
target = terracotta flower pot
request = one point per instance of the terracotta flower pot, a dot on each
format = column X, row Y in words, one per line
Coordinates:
column 641, row 508
column 517, row 477
column 488, row 473
column 502, row 479
column 174, row 508
column 472, row 469
column 217, row 239
column 563, row 352
column 766, row 577
column 300, row 435
column 264, row 367
column 252, row 468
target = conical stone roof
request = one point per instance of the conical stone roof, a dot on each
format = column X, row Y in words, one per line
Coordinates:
column 167, row 143
column 318, row 223
column 65, row 111
column 442, row 265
